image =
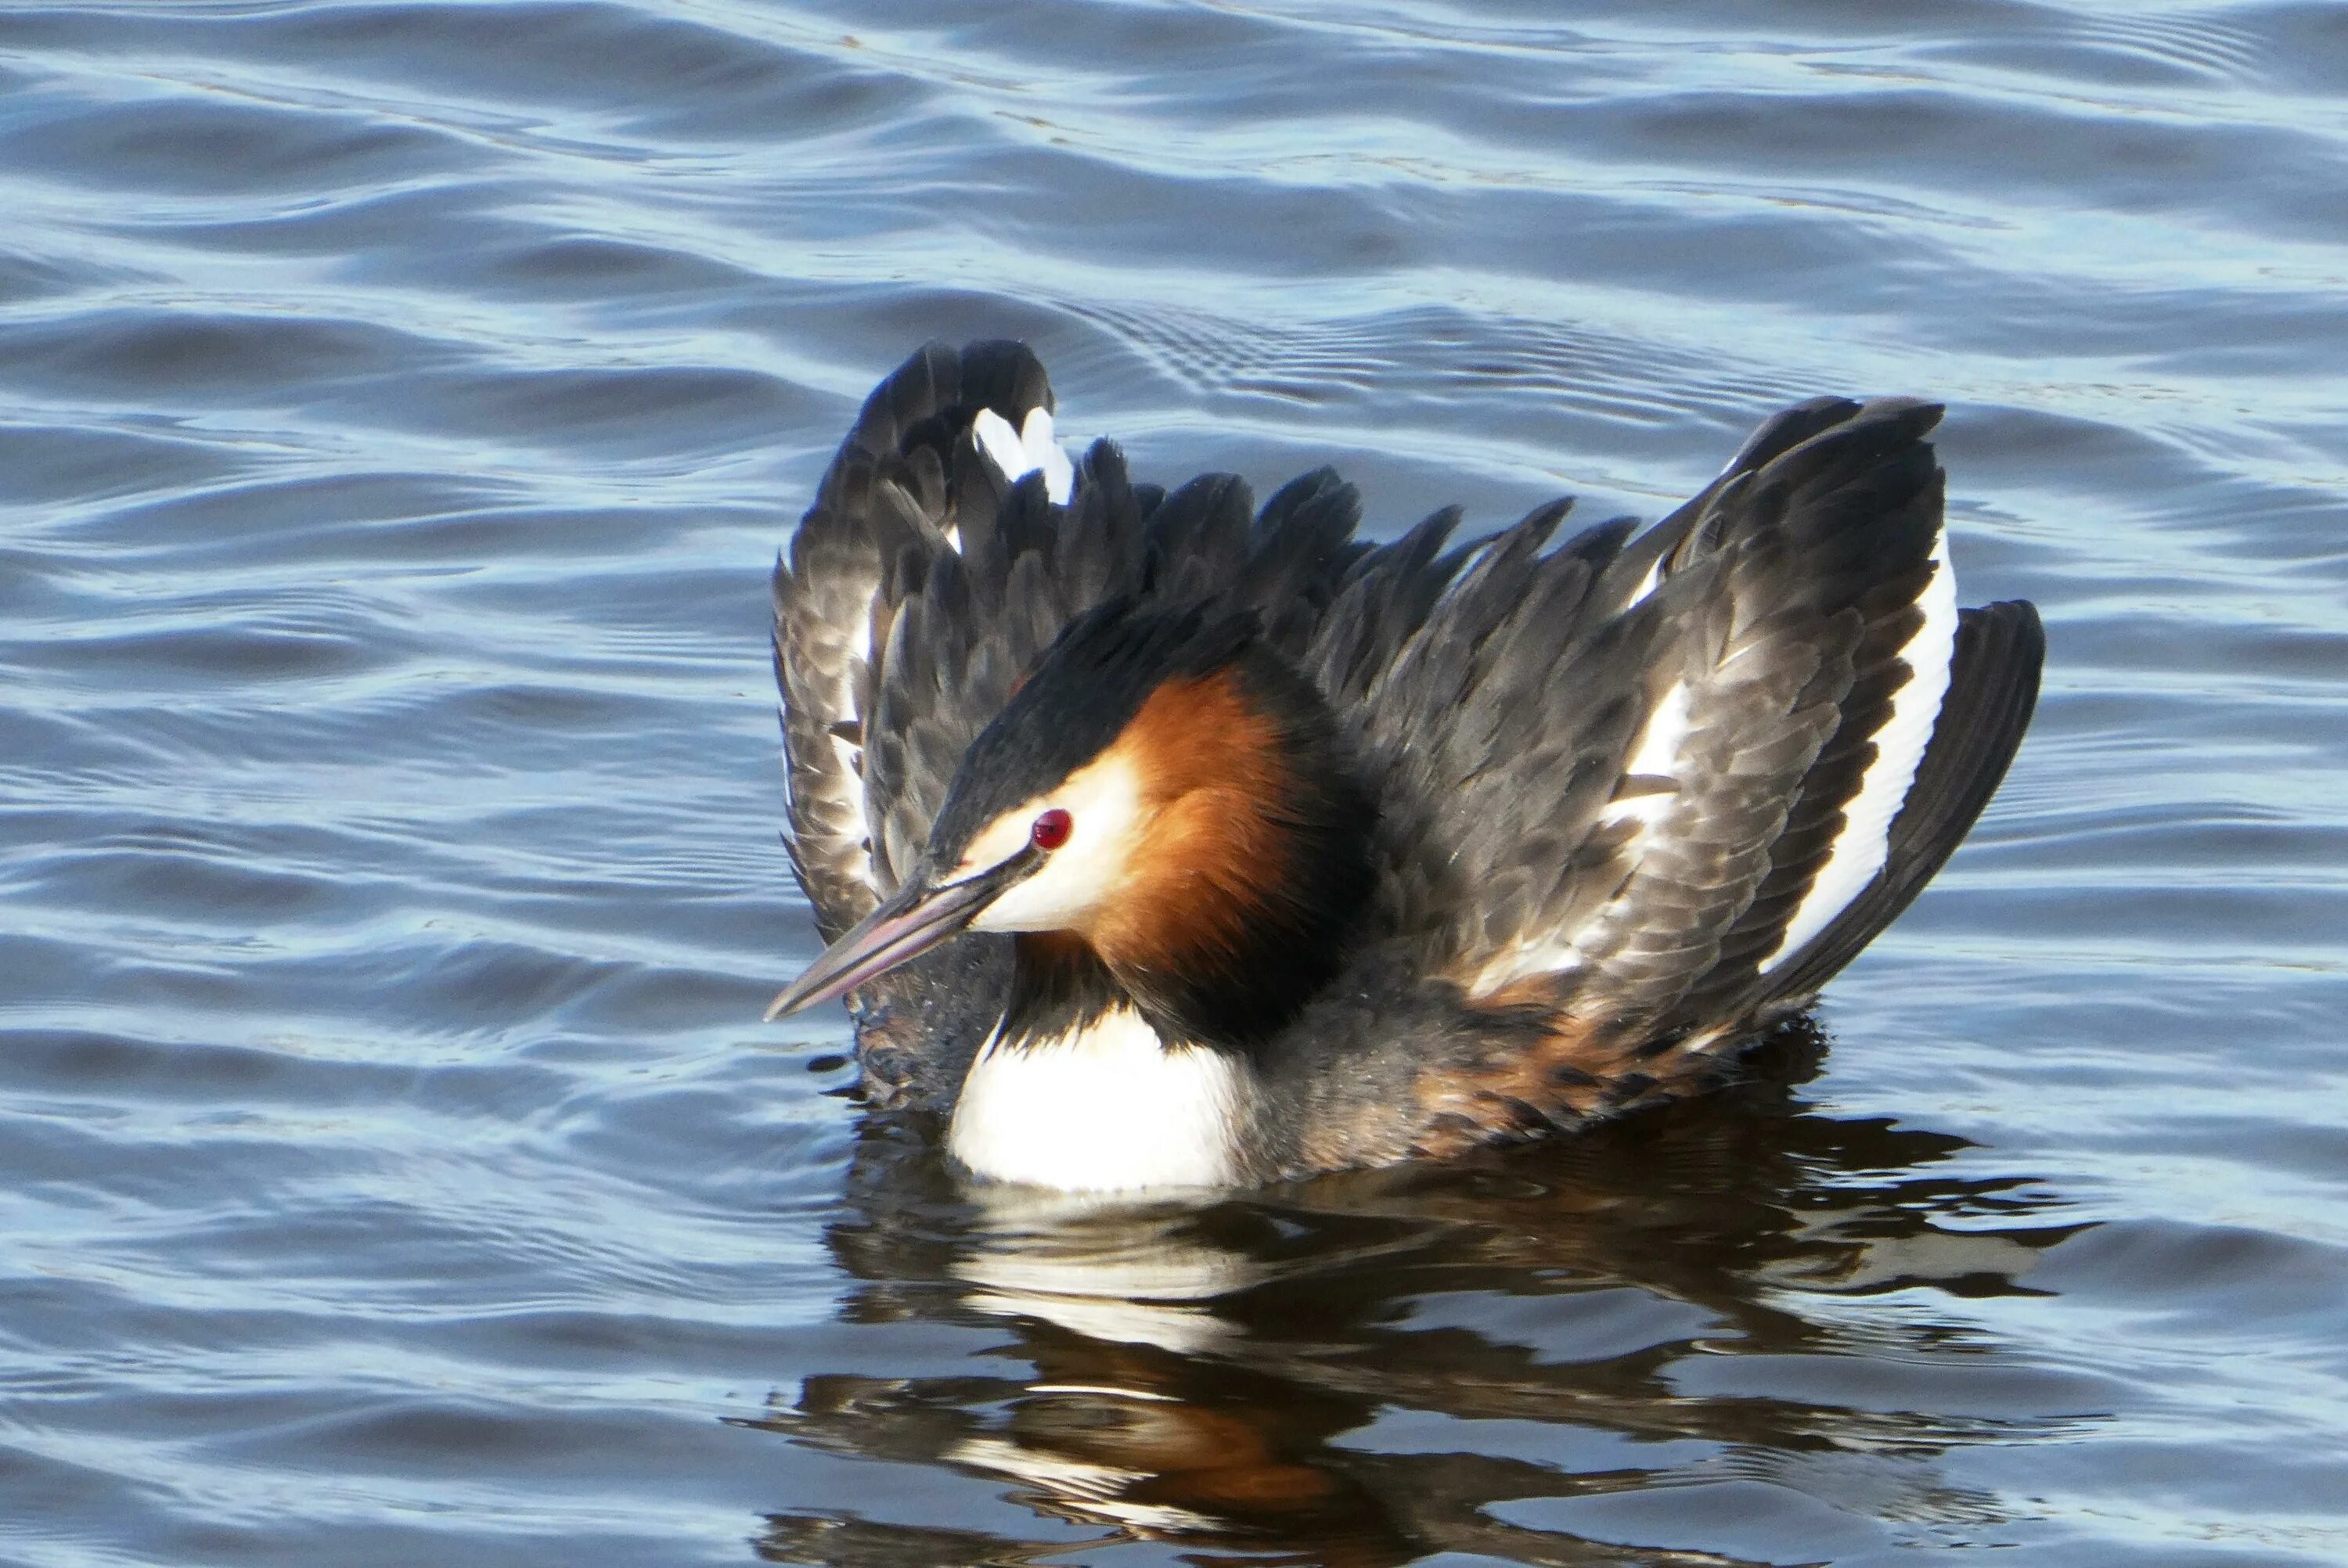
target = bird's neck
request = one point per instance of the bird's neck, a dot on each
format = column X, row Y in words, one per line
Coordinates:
column 1059, row 987
column 1227, row 978
column 1257, row 880
column 1101, row 1080
column 1139, row 1051
column 1092, row 1098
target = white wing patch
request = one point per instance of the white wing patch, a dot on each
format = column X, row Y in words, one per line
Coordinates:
column 850, row 756
column 1019, row 452
column 1649, row 583
column 1656, row 756
column 1655, row 759
column 1865, row 842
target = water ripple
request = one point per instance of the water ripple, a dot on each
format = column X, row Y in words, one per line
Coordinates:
column 400, row 404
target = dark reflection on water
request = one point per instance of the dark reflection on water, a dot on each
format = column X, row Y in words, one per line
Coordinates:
column 1364, row 1370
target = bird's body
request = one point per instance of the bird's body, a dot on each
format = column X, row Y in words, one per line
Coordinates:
column 1164, row 843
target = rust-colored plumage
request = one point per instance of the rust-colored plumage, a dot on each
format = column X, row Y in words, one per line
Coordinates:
column 1214, row 855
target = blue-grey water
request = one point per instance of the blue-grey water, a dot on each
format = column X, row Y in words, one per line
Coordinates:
column 400, row 406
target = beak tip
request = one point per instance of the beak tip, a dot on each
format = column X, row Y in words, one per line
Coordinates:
column 911, row 921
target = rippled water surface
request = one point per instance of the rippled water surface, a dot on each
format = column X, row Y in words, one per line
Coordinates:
column 400, row 406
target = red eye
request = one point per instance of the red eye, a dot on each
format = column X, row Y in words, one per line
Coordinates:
column 1052, row 829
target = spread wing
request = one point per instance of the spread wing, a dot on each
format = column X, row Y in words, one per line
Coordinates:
column 945, row 552
column 908, row 484
column 1629, row 774
column 935, row 561
column 949, row 543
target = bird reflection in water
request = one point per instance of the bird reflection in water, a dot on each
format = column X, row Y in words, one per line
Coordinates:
column 1359, row 1370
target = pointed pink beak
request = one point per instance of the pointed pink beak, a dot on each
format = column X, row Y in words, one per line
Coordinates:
column 909, row 923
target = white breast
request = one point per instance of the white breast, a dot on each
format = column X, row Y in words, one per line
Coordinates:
column 1106, row 1108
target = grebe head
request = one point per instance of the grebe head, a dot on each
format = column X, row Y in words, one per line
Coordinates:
column 1164, row 797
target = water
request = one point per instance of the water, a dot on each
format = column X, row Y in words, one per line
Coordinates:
column 400, row 404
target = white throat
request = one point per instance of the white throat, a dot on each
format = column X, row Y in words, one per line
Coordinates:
column 1104, row 1107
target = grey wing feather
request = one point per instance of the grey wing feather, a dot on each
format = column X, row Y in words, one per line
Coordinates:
column 1594, row 752
column 1993, row 691
column 922, row 586
column 902, row 478
column 1490, row 798
column 1819, row 557
column 973, row 623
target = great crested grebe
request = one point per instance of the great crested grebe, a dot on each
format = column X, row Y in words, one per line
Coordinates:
column 1314, row 852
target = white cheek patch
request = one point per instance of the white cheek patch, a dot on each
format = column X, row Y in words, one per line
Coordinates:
column 1005, row 837
column 1105, row 815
